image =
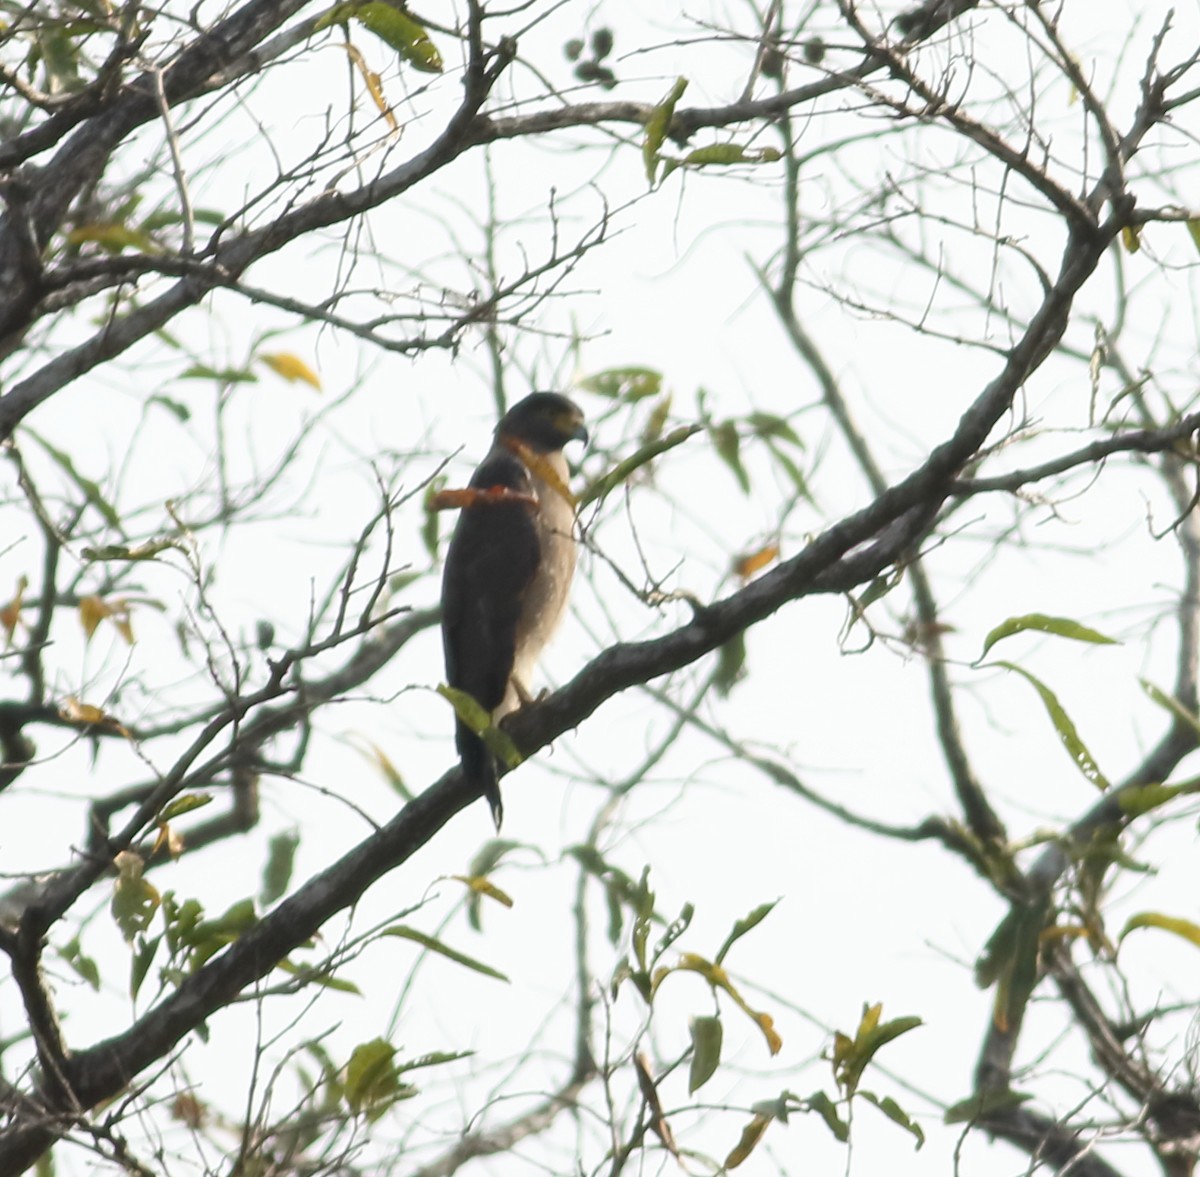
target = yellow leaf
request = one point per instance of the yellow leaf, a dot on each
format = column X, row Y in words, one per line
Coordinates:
column 480, row 885
column 1131, row 238
column 291, row 368
column 167, row 838
column 86, row 715
column 10, row 614
column 746, row 566
column 92, row 611
column 539, row 465
column 751, row 1135
column 1168, row 923
column 374, row 86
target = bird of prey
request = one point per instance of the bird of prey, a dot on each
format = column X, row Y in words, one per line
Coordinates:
column 509, row 568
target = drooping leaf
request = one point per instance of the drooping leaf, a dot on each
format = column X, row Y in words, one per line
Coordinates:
column 90, row 488
column 1185, row 929
column 1067, row 733
column 1010, row 961
column 728, row 445
column 896, row 1114
column 134, row 900
column 1193, row 228
column 1131, row 238
column 374, row 85
column 143, row 958
column 431, row 944
column 820, row 1103
column 277, row 873
column 291, row 367
column 707, row 1033
column 72, row 952
column 751, row 1135
column 1062, row 627
column 731, row 664
column 719, row 979
column 10, row 614
column 657, row 126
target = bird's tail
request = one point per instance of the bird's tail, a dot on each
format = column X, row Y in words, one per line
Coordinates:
column 479, row 767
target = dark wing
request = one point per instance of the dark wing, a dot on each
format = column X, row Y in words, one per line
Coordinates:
column 492, row 559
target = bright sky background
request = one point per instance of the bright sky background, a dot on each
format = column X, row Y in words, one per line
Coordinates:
column 859, row 919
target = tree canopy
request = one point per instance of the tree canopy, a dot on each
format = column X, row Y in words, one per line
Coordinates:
column 858, row 813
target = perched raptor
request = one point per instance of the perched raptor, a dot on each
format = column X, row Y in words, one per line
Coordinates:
column 509, row 569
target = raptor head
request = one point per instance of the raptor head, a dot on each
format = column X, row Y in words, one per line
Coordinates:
column 544, row 421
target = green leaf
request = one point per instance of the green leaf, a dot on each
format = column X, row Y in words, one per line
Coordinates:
column 716, row 976
column 402, row 932
column 624, row 469
column 477, row 718
column 706, row 1034
column 372, row 1083
column 1168, row 923
column 319, row 976
column 1062, row 627
column 90, row 489
column 84, row 966
column 113, row 238
column 745, row 925
column 177, row 409
column 731, row 664
column 627, row 384
column 1169, row 703
column 851, row 1055
column 1067, row 733
column 1010, row 961
column 729, row 153
column 820, row 1103
column 657, row 126
column 1193, row 228
column 143, row 958
column 728, row 445
column 182, row 805
column 392, row 26
column 207, row 937
column 431, row 527
column 134, row 900
column 150, row 550
column 1137, row 800
column 674, row 930
column 435, row 1058
column 220, row 375
column 277, row 873
column 983, row 1104
column 896, row 1114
